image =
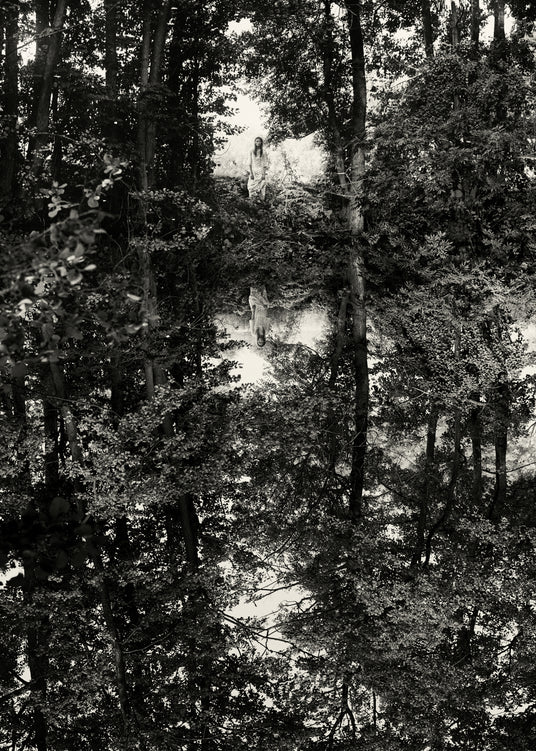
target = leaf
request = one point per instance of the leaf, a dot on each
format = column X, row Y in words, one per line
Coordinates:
column 74, row 276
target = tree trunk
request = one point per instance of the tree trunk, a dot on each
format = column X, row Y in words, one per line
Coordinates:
column 119, row 659
column 422, row 521
column 9, row 144
column 57, row 151
column 454, row 25
column 195, row 155
column 475, row 21
column 500, row 429
column 153, row 52
column 2, row 36
column 186, row 504
column 37, row 631
column 356, row 264
column 155, row 79
column 475, row 429
column 111, row 71
column 159, row 42
column 68, row 418
column 451, row 490
column 37, row 655
column 361, row 381
column 144, row 83
column 498, row 20
column 427, row 28
column 45, row 83
column 332, row 422
column 454, row 474
column 329, row 99
column 42, row 24
column 345, row 711
column 359, row 114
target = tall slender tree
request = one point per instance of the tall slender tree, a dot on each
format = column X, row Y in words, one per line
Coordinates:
column 46, row 61
column 10, row 95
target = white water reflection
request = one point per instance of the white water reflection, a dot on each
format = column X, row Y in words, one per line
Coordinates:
column 305, row 327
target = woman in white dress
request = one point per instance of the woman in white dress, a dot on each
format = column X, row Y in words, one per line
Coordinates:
column 259, row 324
column 258, row 166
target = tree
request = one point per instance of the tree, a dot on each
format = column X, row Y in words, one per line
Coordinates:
column 146, row 496
column 10, row 19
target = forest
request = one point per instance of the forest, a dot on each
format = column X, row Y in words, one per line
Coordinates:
column 341, row 555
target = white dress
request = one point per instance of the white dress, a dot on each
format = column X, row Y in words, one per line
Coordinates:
column 258, row 302
column 257, row 167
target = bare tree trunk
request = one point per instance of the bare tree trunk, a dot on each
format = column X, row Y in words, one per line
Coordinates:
column 500, row 428
column 2, row 36
column 332, row 422
column 155, row 78
column 329, row 99
column 361, row 381
column 454, row 25
column 144, row 83
column 422, row 521
column 159, row 42
column 42, row 24
column 498, row 20
column 8, row 146
column 427, row 28
column 57, row 151
column 196, row 142
column 345, row 711
column 186, row 503
column 475, row 428
column 152, row 51
column 451, row 490
column 37, row 625
column 356, row 264
column 475, row 21
column 37, row 654
column 45, row 92
column 454, row 474
column 111, row 70
column 67, row 415
column 119, row 659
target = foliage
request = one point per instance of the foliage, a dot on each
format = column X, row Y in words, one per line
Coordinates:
column 180, row 565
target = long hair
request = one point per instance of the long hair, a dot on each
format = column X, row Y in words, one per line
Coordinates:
column 259, row 147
